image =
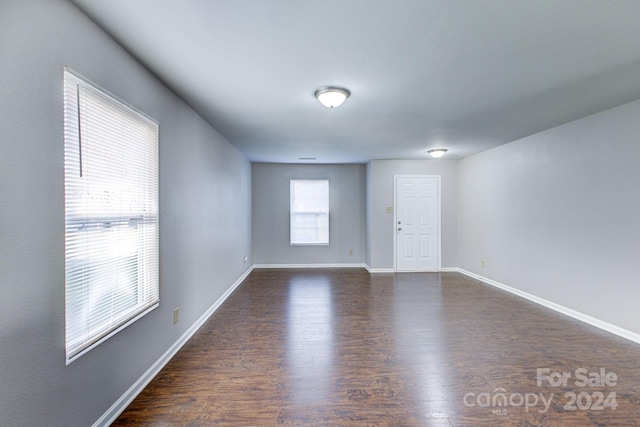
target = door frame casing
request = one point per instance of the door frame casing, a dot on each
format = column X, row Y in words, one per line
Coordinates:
column 395, row 219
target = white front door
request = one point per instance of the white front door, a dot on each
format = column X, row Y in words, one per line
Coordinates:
column 417, row 224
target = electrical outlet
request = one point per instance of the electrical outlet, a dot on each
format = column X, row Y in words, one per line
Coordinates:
column 350, row 252
column 483, row 263
column 244, row 260
column 176, row 315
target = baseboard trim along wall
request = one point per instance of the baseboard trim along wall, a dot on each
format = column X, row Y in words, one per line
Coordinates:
column 121, row 404
column 345, row 265
column 381, row 270
column 337, row 265
column 616, row 330
column 391, row 270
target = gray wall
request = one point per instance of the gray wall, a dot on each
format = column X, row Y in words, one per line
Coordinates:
column 205, row 222
column 556, row 215
column 271, row 214
column 380, row 195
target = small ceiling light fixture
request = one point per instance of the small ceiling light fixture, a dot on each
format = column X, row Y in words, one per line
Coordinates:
column 436, row 153
column 331, row 96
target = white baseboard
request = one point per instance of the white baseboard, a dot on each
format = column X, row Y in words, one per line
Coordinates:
column 121, row 404
column 391, row 270
column 337, row 265
column 344, row 265
column 616, row 330
column 378, row 270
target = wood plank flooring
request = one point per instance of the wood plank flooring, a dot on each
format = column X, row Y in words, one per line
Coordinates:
column 342, row 347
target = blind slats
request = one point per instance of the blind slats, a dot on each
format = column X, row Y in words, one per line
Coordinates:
column 111, row 214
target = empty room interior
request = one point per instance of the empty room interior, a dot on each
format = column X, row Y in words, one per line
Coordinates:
column 314, row 213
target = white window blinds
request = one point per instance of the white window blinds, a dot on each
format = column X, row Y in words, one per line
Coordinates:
column 111, row 214
column 309, row 212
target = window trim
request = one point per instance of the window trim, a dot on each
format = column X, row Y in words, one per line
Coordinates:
column 291, row 212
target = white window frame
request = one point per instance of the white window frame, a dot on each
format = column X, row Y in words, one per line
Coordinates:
column 322, row 216
column 111, row 214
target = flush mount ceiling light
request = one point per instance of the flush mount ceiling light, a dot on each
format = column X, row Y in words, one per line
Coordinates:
column 331, row 96
column 436, row 153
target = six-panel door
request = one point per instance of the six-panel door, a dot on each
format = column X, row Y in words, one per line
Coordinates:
column 417, row 223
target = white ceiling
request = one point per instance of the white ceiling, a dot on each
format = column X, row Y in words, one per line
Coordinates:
column 466, row 75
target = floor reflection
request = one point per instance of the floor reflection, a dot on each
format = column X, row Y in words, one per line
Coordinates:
column 310, row 346
column 419, row 325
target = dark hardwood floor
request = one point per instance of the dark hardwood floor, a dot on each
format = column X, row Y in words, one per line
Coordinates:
column 346, row 348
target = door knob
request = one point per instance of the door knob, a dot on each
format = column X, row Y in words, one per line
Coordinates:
column 399, row 229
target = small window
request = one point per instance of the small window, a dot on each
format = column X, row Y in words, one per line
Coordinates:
column 309, row 212
column 111, row 214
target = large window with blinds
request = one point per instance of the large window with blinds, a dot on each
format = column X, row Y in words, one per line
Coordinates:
column 111, row 214
column 309, row 212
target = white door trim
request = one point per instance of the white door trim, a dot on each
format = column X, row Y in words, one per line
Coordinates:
column 395, row 219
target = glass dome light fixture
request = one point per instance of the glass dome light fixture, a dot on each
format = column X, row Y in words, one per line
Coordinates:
column 436, row 153
column 331, row 96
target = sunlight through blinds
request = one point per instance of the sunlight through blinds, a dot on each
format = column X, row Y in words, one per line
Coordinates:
column 111, row 214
